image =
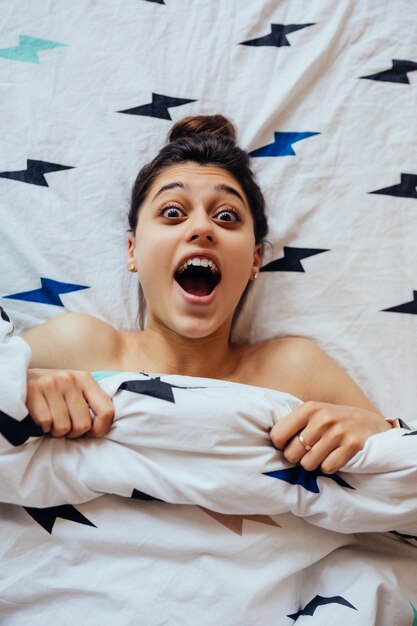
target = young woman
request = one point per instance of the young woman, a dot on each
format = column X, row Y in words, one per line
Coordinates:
column 198, row 225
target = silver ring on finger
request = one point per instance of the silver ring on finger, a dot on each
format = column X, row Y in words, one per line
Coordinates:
column 304, row 443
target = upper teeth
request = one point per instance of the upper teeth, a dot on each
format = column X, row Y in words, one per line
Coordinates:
column 197, row 261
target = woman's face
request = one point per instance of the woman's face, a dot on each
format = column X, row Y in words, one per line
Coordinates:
column 194, row 249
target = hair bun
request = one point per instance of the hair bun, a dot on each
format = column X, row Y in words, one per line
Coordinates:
column 196, row 124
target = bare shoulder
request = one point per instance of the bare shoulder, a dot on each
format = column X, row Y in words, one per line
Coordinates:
column 293, row 346
column 283, row 364
column 291, row 351
column 299, row 365
column 73, row 341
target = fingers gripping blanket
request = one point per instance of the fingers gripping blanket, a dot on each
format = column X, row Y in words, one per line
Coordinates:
column 185, row 513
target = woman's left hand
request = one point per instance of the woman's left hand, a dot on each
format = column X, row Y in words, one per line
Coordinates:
column 318, row 434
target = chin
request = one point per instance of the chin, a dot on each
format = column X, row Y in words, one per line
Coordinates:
column 195, row 331
column 196, row 328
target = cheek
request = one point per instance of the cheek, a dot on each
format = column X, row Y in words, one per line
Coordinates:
column 242, row 259
column 154, row 260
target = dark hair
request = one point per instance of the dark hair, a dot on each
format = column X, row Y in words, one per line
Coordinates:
column 203, row 139
column 206, row 140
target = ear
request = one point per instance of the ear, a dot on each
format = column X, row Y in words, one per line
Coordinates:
column 131, row 249
column 257, row 256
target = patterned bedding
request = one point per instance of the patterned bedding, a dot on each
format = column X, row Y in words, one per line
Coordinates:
column 205, row 523
column 185, row 512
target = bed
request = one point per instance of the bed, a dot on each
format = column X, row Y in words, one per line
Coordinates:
column 323, row 95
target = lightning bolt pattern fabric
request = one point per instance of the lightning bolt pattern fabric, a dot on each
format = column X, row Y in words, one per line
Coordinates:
column 89, row 94
column 149, row 521
column 324, row 96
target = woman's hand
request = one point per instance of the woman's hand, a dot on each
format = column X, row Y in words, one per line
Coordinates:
column 68, row 403
column 318, row 434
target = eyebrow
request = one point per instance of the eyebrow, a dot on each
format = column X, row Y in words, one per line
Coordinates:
column 231, row 190
column 169, row 186
column 221, row 187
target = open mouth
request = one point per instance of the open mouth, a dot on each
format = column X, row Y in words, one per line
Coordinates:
column 197, row 280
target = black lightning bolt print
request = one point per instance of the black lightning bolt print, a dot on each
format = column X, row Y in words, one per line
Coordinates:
column 291, row 261
column 407, row 307
column 48, row 516
column 396, row 74
column 140, row 495
column 17, row 432
column 407, row 188
column 277, row 37
column 34, row 172
column 154, row 387
column 317, row 601
column 158, row 107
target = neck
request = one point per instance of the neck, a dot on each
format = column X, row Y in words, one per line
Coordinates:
column 165, row 352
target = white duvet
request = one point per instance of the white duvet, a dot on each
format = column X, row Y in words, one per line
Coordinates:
column 185, row 513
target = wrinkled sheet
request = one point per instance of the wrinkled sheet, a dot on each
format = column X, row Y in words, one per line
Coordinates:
column 341, row 197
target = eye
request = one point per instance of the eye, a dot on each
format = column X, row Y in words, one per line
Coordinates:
column 171, row 212
column 228, row 215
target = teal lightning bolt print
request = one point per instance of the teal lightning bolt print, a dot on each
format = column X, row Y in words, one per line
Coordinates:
column 28, row 49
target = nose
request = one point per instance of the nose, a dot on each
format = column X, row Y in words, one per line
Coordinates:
column 201, row 227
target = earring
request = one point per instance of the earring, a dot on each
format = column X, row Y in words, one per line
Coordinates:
column 255, row 275
column 131, row 267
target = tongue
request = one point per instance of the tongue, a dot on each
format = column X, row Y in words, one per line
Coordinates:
column 195, row 285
